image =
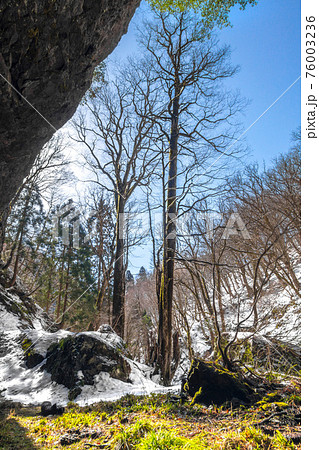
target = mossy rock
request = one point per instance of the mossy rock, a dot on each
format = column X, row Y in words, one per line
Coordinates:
column 273, row 401
column 75, row 360
column 73, row 393
column 209, row 383
column 278, row 406
column 31, row 357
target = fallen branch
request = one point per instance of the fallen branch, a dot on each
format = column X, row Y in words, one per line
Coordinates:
column 279, row 413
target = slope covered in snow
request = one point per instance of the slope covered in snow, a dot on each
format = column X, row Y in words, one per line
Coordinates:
column 279, row 320
column 25, row 330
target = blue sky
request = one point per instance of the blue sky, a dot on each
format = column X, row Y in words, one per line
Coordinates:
column 265, row 43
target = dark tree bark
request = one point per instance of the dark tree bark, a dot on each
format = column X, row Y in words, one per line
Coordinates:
column 167, row 283
column 58, row 310
column 19, row 239
column 118, row 313
column 67, row 283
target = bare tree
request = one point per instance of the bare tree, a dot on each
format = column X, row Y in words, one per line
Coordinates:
column 246, row 274
column 118, row 139
column 50, row 168
column 194, row 116
column 101, row 238
column 141, row 317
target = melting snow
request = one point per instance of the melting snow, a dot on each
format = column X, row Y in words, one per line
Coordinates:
column 34, row 386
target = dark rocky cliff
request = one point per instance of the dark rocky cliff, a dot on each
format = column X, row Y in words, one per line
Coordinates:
column 48, row 51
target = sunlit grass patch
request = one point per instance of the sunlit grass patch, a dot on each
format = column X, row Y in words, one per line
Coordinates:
column 147, row 434
column 160, row 422
column 164, row 439
column 253, row 439
column 129, row 437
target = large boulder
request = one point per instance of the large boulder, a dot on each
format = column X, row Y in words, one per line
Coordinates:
column 48, row 52
column 74, row 361
column 209, row 383
column 95, row 364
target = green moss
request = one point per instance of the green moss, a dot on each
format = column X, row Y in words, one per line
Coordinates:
column 269, row 398
column 26, row 343
column 197, row 394
column 59, row 345
column 153, row 423
column 274, row 405
column 165, row 439
column 27, row 347
column 222, row 370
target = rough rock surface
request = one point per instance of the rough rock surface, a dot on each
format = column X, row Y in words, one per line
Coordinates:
column 29, row 338
column 48, row 409
column 48, row 51
column 75, row 360
column 210, row 384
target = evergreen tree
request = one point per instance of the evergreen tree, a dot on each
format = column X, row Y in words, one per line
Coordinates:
column 142, row 275
column 129, row 277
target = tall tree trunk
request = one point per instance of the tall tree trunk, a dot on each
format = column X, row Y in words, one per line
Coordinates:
column 101, row 300
column 49, row 291
column 67, row 282
column 219, row 298
column 167, row 281
column 16, row 263
column 118, row 313
column 58, row 309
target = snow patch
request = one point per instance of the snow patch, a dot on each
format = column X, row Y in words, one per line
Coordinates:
column 34, row 386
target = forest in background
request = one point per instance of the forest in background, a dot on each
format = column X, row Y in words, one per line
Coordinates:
column 160, row 134
column 158, row 144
